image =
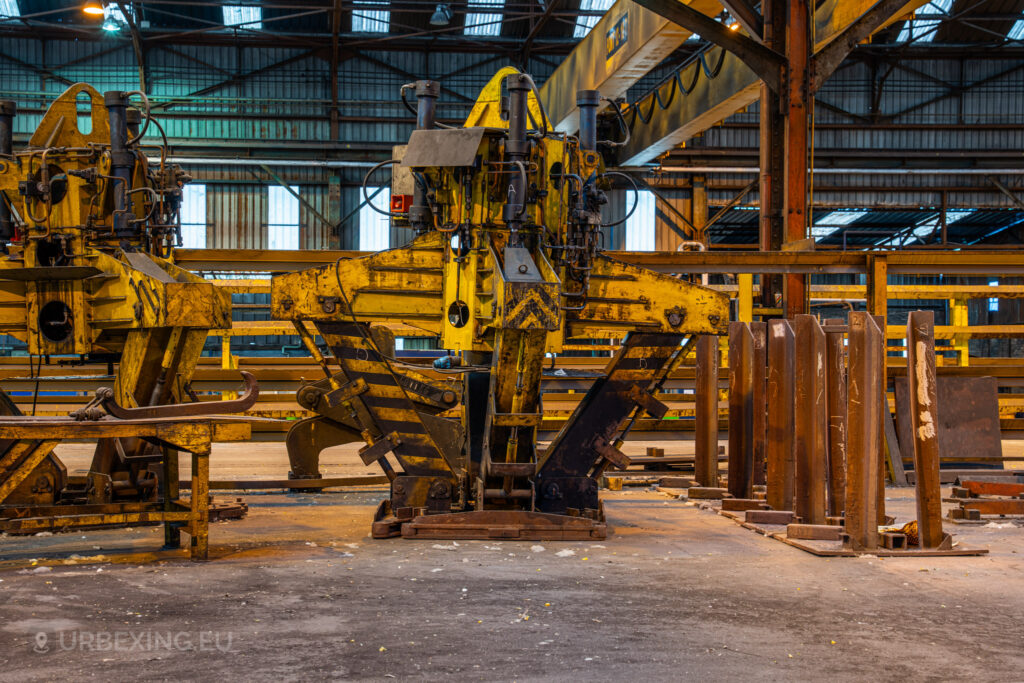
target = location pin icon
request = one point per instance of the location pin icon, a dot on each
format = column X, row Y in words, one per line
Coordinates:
column 41, row 641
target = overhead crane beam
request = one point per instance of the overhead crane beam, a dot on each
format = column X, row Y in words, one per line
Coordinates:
column 736, row 86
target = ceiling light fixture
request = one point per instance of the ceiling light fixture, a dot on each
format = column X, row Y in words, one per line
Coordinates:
column 442, row 15
column 93, row 8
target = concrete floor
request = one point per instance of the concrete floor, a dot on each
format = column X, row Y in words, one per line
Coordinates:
column 298, row 591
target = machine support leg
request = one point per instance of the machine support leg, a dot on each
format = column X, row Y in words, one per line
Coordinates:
column 836, row 377
column 924, row 417
column 741, row 410
column 706, row 439
column 200, row 527
column 780, row 398
column 169, row 489
column 811, row 420
column 864, row 414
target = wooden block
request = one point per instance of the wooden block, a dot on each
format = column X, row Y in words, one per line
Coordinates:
column 815, row 532
column 835, row 521
column 675, row 482
column 612, row 483
column 770, row 516
column 707, row 492
column 743, row 504
column 655, row 452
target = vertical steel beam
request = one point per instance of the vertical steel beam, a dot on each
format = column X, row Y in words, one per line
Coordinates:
column 780, row 448
column 836, row 378
column 797, row 111
column 864, row 415
column 741, row 410
column 706, row 438
column 924, row 418
column 773, row 154
column 811, row 420
column 759, row 331
column 883, row 454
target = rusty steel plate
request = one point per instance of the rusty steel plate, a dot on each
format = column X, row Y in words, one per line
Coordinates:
column 515, row 525
column 968, row 420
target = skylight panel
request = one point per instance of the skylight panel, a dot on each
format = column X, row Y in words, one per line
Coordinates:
column 243, row 16
column 1017, row 32
column 832, row 222
column 370, row 17
column 585, row 22
column 9, row 8
column 923, row 30
column 483, row 23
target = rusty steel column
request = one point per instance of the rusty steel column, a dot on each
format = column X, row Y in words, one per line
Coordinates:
column 883, row 397
column 924, row 418
column 759, row 332
column 741, row 410
column 864, row 414
column 706, row 439
column 836, row 378
column 797, row 111
column 780, row 395
column 811, row 420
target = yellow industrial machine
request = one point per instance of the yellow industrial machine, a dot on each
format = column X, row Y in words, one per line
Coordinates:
column 506, row 267
column 87, row 226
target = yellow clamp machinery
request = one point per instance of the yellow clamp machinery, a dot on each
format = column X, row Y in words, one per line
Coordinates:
column 506, row 267
column 87, row 226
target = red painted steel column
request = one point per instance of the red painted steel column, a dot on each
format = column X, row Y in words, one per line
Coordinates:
column 924, row 418
column 780, row 448
column 798, row 103
column 706, row 446
column 836, row 377
column 811, row 420
column 741, row 413
column 865, row 422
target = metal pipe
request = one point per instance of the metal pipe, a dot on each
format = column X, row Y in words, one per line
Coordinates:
column 121, row 160
column 421, row 218
column 588, row 101
column 248, row 161
column 7, row 111
column 517, row 148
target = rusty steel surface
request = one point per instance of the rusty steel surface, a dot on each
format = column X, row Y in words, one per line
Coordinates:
column 706, row 436
column 836, row 382
column 239, row 405
column 811, row 420
column 924, row 408
column 741, row 410
column 759, row 332
column 865, row 432
column 968, row 423
column 780, row 447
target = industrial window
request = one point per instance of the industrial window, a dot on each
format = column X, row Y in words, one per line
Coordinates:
column 483, row 23
column 923, row 30
column 830, row 223
column 283, row 217
column 375, row 228
column 1017, row 32
column 585, row 22
column 244, row 16
column 9, row 8
column 993, row 302
column 640, row 225
column 370, row 17
column 193, row 216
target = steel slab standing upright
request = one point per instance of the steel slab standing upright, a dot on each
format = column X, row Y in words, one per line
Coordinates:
column 924, row 417
column 741, row 410
column 811, row 420
column 706, row 437
column 780, row 449
column 836, row 378
column 759, row 364
column 864, row 412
